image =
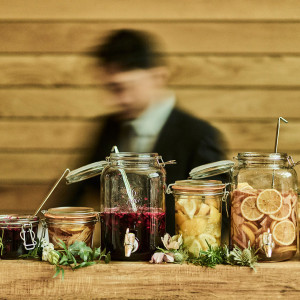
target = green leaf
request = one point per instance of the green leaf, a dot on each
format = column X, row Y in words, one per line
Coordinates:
column 107, row 258
column 57, row 270
column 75, row 248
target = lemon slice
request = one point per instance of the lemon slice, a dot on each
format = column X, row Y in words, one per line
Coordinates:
column 195, row 248
column 213, row 229
column 284, row 233
column 244, row 186
column 214, row 216
column 188, row 240
column 194, row 226
column 283, row 213
column 205, row 238
column 204, row 210
column 249, row 209
column 269, row 201
column 189, row 206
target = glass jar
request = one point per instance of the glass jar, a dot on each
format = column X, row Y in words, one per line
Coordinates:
column 70, row 224
column 264, row 205
column 198, row 213
column 18, row 235
column 132, row 205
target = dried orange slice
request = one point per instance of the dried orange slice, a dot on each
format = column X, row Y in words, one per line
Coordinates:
column 283, row 213
column 249, row 209
column 284, row 233
column 269, row 201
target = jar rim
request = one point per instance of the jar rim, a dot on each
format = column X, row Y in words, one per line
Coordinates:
column 17, row 219
column 70, row 212
column 133, row 156
column 280, row 156
column 201, row 186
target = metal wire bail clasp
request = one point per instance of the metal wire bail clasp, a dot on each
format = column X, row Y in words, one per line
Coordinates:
column 23, row 232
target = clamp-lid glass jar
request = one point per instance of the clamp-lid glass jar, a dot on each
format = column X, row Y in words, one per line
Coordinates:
column 198, row 212
column 132, row 205
column 18, row 234
column 264, row 204
column 70, row 224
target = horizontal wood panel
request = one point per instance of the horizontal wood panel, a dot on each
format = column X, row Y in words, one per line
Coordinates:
column 179, row 37
column 44, row 167
column 191, row 70
column 74, row 135
column 168, row 10
column 36, row 167
column 204, row 103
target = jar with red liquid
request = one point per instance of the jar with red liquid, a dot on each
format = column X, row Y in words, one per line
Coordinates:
column 132, row 205
column 18, row 235
column 132, row 202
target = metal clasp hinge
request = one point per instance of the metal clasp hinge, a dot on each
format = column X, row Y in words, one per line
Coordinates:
column 23, row 232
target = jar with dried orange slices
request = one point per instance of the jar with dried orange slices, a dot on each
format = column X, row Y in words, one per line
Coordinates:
column 198, row 212
column 264, row 205
column 263, row 202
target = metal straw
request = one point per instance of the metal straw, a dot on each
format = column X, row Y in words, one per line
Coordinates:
column 126, row 182
column 51, row 191
column 276, row 142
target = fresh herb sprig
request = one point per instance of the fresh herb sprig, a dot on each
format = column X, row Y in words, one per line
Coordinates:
column 175, row 252
column 77, row 255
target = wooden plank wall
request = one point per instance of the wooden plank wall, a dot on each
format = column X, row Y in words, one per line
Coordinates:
column 235, row 63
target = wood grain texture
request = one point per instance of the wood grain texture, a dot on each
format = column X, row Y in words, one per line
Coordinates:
column 191, row 70
column 179, row 37
column 168, row 10
column 139, row 280
column 81, row 135
column 215, row 103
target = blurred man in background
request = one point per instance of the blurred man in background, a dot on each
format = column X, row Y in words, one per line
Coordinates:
column 148, row 120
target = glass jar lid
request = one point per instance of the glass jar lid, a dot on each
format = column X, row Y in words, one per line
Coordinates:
column 18, row 220
column 70, row 213
column 199, row 186
column 212, row 169
column 85, row 172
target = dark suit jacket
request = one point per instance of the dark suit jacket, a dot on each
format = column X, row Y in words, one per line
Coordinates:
column 186, row 139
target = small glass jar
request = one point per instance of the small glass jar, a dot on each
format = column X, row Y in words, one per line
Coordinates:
column 264, row 205
column 132, row 205
column 198, row 213
column 18, row 235
column 70, row 224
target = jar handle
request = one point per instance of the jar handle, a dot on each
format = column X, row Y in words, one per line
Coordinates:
column 291, row 161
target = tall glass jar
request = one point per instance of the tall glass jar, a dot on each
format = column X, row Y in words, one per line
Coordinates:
column 70, row 224
column 264, row 205
column 132, row 205
column 198, row 213
column 18, row 235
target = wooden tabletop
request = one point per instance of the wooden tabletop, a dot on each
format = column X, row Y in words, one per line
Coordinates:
column 20, row 279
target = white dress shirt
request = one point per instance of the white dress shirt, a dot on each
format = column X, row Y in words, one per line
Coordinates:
column 140, row 135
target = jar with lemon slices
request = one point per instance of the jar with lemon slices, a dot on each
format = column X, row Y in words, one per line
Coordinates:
column 198, row 213
column 264, row 205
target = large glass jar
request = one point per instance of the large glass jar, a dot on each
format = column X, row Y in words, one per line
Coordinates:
column 264, row 205
column 198, row 213
column 18, row 235
column 70, row 224
column 132, row 205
